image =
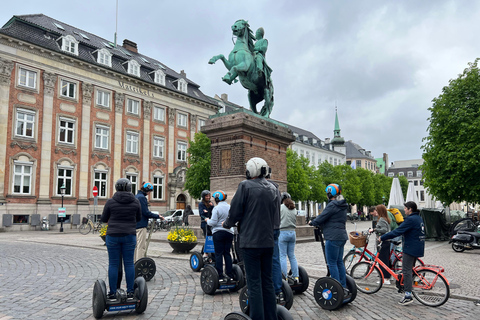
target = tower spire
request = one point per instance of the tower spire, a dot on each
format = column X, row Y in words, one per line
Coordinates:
column 337, row 138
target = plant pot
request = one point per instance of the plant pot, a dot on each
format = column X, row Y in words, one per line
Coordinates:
column 180, row 247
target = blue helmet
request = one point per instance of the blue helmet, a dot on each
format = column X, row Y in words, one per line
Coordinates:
column 219, row 195
column 147, row 187
column 333, row 190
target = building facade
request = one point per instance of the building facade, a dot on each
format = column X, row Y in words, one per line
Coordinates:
column 410, row 169
column 358, row 157
column 77, row 111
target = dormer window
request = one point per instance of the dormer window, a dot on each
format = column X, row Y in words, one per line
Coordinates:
column 305, row 139
column 104, row 57
column 133, row 68
column 159, row 77
column 69, row 44
column 182, row 85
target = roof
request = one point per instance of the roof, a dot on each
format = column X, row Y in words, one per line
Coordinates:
column 44, row 32
column 354, row 151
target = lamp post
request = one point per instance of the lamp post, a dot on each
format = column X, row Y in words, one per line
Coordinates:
column 383, row 200
column 62, row 192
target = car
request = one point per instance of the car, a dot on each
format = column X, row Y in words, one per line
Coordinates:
column 176, row 216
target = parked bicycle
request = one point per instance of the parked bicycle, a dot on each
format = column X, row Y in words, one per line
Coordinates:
column 430, row 286
column 88, row 225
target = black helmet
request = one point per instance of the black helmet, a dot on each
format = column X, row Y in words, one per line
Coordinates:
column 123, row 184
column 204, row 194
column 285, row 195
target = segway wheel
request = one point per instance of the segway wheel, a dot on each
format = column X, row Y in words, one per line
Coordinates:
column 237, row 276
column 243, row 299
column 237, row 315
column 328, row 293
column 352, row 287
column 209, row 280
column 288, row 294
column 303, row 279
column 141, row 293
column 196, row 261
column 283, row 314
column 146, row 268
column 99, row 299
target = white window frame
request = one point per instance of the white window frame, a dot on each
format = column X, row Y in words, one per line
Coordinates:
column 410, row 174
column 67, row 129
column 158, row 147
column 133, row 68
column 25, row 122
column 133, row 177
column 131, row 142
column 391, row 174
column 102, row 98
column 182, row 151
column 182, row 85
column 419, row 173
column 133, row 106
column 158, row 183
column 159, row 77
column 70, row 44
column 401, row 174
column 24, row 80
column 62, row 180
column 70, row 84
column 101, row 180
column 23, row 176
column 182, row 120
column 104, row 137
column 201, row 123
column 104, row 57
column 159, row 113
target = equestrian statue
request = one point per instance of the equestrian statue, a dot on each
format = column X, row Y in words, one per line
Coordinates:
column 247, row 62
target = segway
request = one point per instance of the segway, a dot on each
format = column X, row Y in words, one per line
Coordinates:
column 197, row 261
column 211, row 282
column 287, row 293
column 303, row 281
column 100, row 303
column 328, row 292
column 282, row 314
column 145, row 267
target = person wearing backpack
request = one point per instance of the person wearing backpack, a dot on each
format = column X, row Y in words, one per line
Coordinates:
column 394, row 225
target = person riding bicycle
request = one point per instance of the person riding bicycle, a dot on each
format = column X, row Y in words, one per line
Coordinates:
column 143, row 223
column 333, row 220
column 382, row 227
column 121, row 212
column 413, row 231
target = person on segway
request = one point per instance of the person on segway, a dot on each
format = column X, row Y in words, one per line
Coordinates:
column 254, row 207
column 121, row 212
column 333, row 220
column 205, row 208
column 222, row 238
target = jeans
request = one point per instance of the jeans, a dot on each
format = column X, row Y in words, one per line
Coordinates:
column 261, row 294
column 124, row 246
column 286, row 243
column 276, row 268
column 334, row 253
column 407, row 266
column 222, row 241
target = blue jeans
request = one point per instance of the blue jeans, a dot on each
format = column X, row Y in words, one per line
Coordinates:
column 286, row 243
column 222, row 240
column 124, row 246
column 276, row 268
column 334, row 252
column 261, row 294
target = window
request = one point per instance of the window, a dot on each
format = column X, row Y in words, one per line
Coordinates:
column 64, row 177
column 410, row 174
column 101, row 137
column 132, row 142
column 182, row 120
column 159, row 114
column 133, row 68
column 415, row 182
column 302, row 152
column 401, row 174
column 159, row 77
column 359, row 163
column 391, row 174
column 68, row 89
column 100, row 181
column 201, row 123
column 132, row 106
column 419, row 174
column 313, row 158
column 157, row 187
column 27, row 78
column 307, row 155
column 66, row 130
column 158, row 147
column 422, row 195
column 70, row 44
column 182, row 85
column 22, row 178
column 134, row 180
column 421, row 182
column 181, row 151
column 104, row 57
column 103, row 98
column 335, row 161
column 24, row 123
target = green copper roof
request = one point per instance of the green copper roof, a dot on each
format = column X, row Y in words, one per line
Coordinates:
column 337, row 139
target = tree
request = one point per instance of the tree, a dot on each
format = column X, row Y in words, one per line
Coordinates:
column 297, row 177
column 198, row 174
column 403, row 185
column 367, row 197
column 451, row 149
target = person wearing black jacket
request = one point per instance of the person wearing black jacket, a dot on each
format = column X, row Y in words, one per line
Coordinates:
column 121, row 212
column 254, row 207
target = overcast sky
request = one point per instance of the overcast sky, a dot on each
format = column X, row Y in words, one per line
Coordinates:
column 380, row 62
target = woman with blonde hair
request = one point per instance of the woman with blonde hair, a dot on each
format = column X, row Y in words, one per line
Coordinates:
column 382, row 227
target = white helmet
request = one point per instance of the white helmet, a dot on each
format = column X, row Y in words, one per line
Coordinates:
column 257, row 167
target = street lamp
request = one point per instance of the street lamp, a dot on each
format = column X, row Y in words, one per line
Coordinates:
column 62, row 192
column 383, row 200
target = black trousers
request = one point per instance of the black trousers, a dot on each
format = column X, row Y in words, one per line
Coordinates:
column 222, row 241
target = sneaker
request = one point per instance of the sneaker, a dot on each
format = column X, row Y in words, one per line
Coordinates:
column 406, row 300
column 281, row 298
column 387, row 281
column 130, row 295
column 346, row 293
column 111, row 296
column 296, row 280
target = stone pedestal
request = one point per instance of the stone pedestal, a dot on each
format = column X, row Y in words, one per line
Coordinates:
column 240, row 135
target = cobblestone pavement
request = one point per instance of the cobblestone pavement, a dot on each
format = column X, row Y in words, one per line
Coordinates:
column 48, row 275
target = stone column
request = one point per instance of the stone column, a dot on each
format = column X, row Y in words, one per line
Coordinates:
column 83, row 187
column 48, row 126
column 117, row 141
column 6, row 67
column 171, row 157
column 147, row 141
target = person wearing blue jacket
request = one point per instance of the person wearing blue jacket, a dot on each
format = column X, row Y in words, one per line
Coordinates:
column 413, row 231
column 333, row 220
column 143, row 223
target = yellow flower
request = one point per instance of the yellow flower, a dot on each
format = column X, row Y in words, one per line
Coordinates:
column 182, row 234
column 103, row 231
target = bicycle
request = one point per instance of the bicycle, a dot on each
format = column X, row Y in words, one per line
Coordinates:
column 429, row 285
column 356, row 255
column 88, row 225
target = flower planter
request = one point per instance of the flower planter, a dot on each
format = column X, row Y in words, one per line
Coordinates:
column 181, row 247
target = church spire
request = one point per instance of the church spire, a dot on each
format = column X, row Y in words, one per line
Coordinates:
column 337, row 139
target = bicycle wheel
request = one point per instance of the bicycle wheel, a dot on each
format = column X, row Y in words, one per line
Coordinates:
column 397, row 263
column 430, row 288
column 98, row 227
column 85, row 228
column 368, row 280
column 350, row 259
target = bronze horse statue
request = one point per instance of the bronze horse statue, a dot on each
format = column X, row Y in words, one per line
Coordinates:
column 247, row 62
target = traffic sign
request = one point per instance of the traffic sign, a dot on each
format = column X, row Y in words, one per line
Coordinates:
column 95, row 191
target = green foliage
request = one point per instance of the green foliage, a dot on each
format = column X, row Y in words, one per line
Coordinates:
column 452, row 148
column 367, row 186
column 403, row 185
column 198, row 174
column 297, row 177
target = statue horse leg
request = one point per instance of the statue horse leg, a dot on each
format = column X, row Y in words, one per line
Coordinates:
column 268, row 106
column 254, row 99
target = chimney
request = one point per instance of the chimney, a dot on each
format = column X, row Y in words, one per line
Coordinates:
column 327, row 140
column 130, row 45
column 183, row 74
column 224, row 97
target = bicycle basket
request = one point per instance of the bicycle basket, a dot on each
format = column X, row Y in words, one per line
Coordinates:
column 357, row 239
column 84, row 220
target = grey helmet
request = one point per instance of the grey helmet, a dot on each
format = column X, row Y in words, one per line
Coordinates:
column 123, row 184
